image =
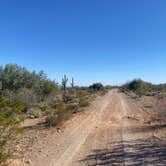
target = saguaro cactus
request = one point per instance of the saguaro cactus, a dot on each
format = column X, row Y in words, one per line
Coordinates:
column 64, row 82
column 72, row 83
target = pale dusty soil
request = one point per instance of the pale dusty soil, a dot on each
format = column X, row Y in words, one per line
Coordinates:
column 114, row 130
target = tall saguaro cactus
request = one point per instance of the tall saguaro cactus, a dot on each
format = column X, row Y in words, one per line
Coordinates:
column 64, row 82
column 72, row 83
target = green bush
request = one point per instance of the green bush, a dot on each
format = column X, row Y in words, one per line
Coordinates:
column 27, row 96
column 71, row 107
column 141, row 87
column 83, row 103
column 35, row 112
column 28, row 86
column 58, row 105
column 11, row 114
column 54, row 118
column 60, row 111
column 44, row 107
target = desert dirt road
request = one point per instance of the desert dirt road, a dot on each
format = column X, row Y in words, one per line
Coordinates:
column 112, row 131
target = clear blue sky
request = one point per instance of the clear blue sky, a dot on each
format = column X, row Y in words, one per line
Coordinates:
column 109, row 41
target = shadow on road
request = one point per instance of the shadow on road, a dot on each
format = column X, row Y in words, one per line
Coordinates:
column 133, row 153
column 145, row 128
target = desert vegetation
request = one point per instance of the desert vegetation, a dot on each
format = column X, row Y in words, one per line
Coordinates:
column 25, row 94
column 30, row 95
column 151, row 97
column 140, row 87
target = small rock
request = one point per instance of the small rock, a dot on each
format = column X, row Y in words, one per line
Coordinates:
column 32, row 116
column 28, row 161
column 59, row 130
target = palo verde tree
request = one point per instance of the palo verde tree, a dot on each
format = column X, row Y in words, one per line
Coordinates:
column 14, row 79
column 96, row 87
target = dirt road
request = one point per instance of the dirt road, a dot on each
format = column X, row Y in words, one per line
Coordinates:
column 112, row 131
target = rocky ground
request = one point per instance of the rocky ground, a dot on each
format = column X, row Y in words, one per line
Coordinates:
column 114, row 130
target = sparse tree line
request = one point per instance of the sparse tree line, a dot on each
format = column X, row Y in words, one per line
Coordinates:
column 25, row 94
column 17, row 80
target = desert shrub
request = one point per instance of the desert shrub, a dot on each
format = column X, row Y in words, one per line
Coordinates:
column 82, row 92
column 58, row 105
column 71, row 107
column 44, row 107
column 139, row 87
column 83, row 102
column 53, row 96
column 52, row 119
column 160, row 109
column 8, row 94
column 11, row 114
column 67, row 97
column 60, row 111
column 103, row 92
column 27, row 96
column 56, row 117
column 34, row 112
